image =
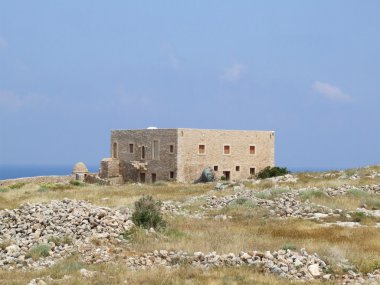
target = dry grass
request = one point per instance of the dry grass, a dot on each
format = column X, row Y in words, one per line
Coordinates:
column 118, row 273
column 253, row 230
column 250, row 229
column 110, row 196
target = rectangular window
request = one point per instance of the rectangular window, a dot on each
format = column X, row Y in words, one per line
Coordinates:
column 201, row 149
column 171, row 175
column 252, row 149
column 154, row 177
column 143, row 152
column 131, row 148
column 252, row 171
column 227, row 149
column 215, row 168
column 237, row 168
column 171, row 148
column 155, row 154
column 142, row 177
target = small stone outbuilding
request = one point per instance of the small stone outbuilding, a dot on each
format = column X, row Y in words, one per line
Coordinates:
column 80, row 171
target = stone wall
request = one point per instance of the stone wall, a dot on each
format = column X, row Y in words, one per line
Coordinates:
column 161, row 166
column 109, row 167
column 191, row 163
column 178, row 153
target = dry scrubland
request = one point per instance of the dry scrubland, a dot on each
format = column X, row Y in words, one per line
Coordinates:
column 249, row 228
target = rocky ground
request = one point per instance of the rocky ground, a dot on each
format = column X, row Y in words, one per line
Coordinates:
column 38, row 236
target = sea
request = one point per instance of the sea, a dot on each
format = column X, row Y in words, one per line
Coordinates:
column 18, row 171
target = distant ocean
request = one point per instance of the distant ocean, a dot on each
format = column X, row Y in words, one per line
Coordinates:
column 18, row 171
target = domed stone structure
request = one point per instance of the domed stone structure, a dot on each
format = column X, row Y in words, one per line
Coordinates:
column 80, row 171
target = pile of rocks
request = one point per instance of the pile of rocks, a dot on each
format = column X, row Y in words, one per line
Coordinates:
column 175, row 208
column 54, row 230
column 284, row 263
column 288, row 178
column 342, row 190
column 286, row 205
column 352, row 277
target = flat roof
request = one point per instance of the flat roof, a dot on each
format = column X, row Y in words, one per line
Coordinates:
column 193, row 129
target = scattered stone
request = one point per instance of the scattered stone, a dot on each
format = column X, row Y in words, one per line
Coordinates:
column 87, row 273
column 58, row 228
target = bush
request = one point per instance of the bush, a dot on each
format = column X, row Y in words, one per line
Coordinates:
column 372, row 203
column 147, row 213
column 76, row 183
column 41, row 250
column 268, row 172
column 309, row 194
column 17, row 185
column 358, row 216
column 55, row 186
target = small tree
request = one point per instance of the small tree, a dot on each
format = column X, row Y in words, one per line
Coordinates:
column 147, row 213
column 268, row 172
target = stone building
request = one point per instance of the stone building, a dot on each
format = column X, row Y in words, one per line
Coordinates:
column 149, row 155
column 80, row 171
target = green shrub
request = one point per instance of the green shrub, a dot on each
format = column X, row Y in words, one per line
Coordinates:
column 308, row 194
column 357, row 193
column 17, row 185
column 76, row 183
column 372, row 203
column 67, row 266
column 56, row 186
column 358, row 216
column 38, row 251
column 60, row 240
column 268, row 172
column 289, row 246
column 3, row 190
column 241, row 201
column 147, row 213
column 223, row 178
column 43, row 189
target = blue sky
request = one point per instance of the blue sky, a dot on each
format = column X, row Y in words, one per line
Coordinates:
column 70, row 71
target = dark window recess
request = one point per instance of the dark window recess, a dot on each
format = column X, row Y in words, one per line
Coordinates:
column 202, row 149
column 227, row 175
column 143, row 152
column 252, row 149
column 154, row 177
column 237, row 168
column 142, row 177
column 171, row 174
column 131, row 148
column 215, row 168
column 114, row 150
column 252, row 171
column 171, row 148
column 226, row 149
column 156, row 150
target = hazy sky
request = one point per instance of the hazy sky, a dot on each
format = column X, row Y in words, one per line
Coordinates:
column 70, row 71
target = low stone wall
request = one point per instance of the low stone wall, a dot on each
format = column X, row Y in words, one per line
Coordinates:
column 37, row 179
